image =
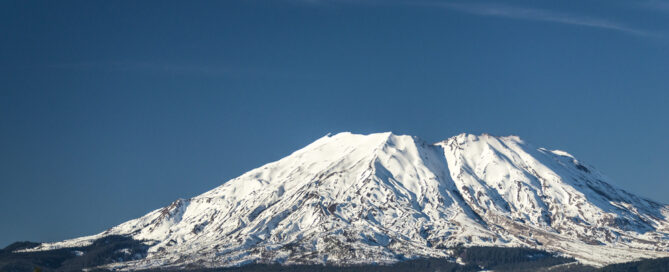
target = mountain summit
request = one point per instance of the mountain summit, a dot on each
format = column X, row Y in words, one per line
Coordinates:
column 381, row 198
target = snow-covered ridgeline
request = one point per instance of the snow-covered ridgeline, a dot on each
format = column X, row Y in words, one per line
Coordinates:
column 377, row 198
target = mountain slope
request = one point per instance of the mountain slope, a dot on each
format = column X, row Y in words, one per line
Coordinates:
column 380, row 198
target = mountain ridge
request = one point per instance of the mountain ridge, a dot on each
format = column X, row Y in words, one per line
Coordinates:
column 382, row 198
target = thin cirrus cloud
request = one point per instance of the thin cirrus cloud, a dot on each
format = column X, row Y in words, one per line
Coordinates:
column 166, row 67
column 533, row 14
column 514, row 12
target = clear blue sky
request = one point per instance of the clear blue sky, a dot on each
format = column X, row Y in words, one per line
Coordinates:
column 109, row 110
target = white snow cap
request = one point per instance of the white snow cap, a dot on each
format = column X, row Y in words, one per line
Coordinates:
column 379, row 198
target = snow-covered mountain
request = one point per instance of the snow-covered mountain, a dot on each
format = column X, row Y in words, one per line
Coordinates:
column 348, row 199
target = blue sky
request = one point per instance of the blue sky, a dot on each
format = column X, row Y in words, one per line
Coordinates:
column 109, row 110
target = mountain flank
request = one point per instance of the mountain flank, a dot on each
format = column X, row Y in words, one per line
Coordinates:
column 384, row 199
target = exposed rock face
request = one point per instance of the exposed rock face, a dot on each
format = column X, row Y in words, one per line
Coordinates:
column 377, row 198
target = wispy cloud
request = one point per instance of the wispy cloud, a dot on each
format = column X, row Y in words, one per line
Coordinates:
column 197, row 69
column 143, row 66
column 533, row 14
column 515, row 12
